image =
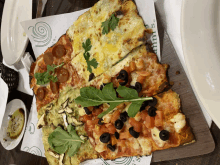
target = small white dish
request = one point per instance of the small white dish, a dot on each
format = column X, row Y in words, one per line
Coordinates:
column 11, row 107
column 13, row 39
column 200, row 32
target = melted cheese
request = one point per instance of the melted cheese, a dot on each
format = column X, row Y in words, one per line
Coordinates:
column 81, row 112
column 179, row 122
column 107, row 118
column 145, row 145
column 100, row 147
column 155, row 135
column 134, row 77
column 138, row 116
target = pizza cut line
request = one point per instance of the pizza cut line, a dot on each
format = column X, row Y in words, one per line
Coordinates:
column 101, row 93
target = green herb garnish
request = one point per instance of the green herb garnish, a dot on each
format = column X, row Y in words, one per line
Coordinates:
column 90, row 96
column 46, row 77
column 60, row 140
column 111, row 23
column 87, row 46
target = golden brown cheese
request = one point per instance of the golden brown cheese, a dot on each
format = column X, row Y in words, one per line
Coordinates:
column 137, row 63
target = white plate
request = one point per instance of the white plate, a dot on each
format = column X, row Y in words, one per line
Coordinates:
column 11, row 107
column 13, row 39
column 200, row 30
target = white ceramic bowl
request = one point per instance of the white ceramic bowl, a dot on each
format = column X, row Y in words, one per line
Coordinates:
column 200, row 28
column 11, row 107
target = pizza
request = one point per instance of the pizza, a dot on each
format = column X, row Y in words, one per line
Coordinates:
column 101, row 92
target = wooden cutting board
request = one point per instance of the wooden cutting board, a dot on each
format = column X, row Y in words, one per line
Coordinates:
column 204, row 142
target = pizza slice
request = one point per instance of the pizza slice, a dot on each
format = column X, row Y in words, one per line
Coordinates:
column 59, row 116
column 157, row 125
column 100, row 49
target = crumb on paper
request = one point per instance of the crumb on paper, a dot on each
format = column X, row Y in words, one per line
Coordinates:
column 171, row 83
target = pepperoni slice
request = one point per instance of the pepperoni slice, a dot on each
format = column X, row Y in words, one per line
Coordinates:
column 62, row 75
column 59, row 51
column 41, row 92
column 48, row 58
column 54, row 86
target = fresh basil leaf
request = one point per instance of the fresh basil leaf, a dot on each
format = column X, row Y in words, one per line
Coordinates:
column 90, row 96
column 60, row 141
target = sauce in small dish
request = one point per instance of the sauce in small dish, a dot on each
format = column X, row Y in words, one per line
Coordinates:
column 16, row 123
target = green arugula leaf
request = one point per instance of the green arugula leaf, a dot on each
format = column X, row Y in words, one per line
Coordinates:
column 87, row 46
column 90, row 96
column 111, row 23
column 46, row 77
column 60, row 140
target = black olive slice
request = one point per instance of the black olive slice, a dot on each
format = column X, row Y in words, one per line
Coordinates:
column 133, row 132
column 91, row 76
column 117, row 95
column 123, row 75
column 96, row 107
column 105, row 138
column 101, row 87
column 132, row 87
column 138, row 87
column 111, row 147
column 116, row 135
column 88, row 112
column 164, row 135
column 152, row 102
column 152, row 111
column 143, row 106
column 123, row 116
column 100, row 122
column 119, row 124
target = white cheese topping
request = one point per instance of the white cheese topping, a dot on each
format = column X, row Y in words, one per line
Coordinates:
column 135, row 143
column 107, row 118
column 134, row 76
column 81, row 112
column 61, row 159
column 138, row 116
column 100, row 147
column 155, row 135
column 179, row 121
column 145, row 145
